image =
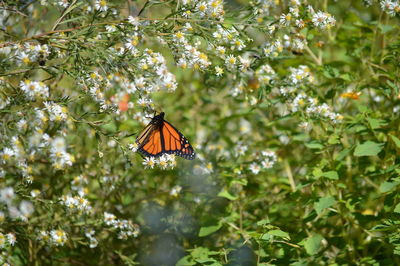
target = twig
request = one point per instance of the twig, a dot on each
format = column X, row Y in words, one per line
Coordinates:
column 290, row 175
column 38, row 36
column 143, row 8
column 316, row 59
column 65, row 12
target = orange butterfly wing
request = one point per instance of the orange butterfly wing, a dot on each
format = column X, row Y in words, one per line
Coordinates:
column 160, row 137
column 175, row 143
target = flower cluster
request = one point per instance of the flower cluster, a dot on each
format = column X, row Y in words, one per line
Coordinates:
column 228, row 38
column 312, row 108
column 213, row 9
column 59, row 155
column 8, row 239
column 323, row 20
column 125, row 228
column 57, row 113
column 190, row 56
column 21, row 211
column 92, row 240
column 34, row 89
column 392, row 7
column 265, row 74
column 300, row 75
column 165, row 161
column 76, row 204
column 56, row 237
column 266, row 161
column 30, row 52
column 79, row 184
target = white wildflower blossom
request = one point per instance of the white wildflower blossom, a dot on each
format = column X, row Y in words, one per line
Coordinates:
column 58, row 237
column 101, row 5
column 255, row 168
column 323, row 20
column 34, row 89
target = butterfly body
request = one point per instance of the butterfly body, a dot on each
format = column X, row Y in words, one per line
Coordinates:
column 160, row 137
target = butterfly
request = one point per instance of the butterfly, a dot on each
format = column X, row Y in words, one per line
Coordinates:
column 160, row 137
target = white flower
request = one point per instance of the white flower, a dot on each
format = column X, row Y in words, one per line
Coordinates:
column 6, row 195
column 2, row 240
column 6, row 154
column 93, row 242
column 63, row 3
column 133, row 147
column 134, row 20
column 175, row 191
column 323, row 20
column 131, row 43
column 179, row 37
column 101, row 5
column 11, row 239
column 163, row 162
column 240, row 149
column 58, row 144
column 26, row 208
column 35, row 193
column 56, row 112
column 109, row 218
column 58, row 237
column 149, row 162
column 25, row 58
column 219, row 71
column 230, row 61
column 111, row 28
column 285, row 19
column 254, row 168
column 34, row 89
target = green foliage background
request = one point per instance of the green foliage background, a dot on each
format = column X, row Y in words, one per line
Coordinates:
column 330, row 198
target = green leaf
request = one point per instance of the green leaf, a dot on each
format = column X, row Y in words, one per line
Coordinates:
column 208, row 261
column 317, row 172
column 397, row 208
column 386, row 28
column 278, row 233
column 225, row 194
column 376, row 123
column 368, row 148
column 331, row 175
column 207, row 230
column 324, row 203
column 346, row 77
column 263, row 222
column 395, row 140
column 185, row 261
column 241, row 181
column 387, row 186
column 127, row 260
column 202, row 253
column 313, row 244
column 110, row 127
column 343, row 153
column 314, row 146
column 333, row 139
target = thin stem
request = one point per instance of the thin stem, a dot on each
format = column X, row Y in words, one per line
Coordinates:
column 143, row 8
column 290, row 175
column 317, row 60
column 65, row 12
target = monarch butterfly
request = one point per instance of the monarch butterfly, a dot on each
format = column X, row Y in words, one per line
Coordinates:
column 160, row 137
